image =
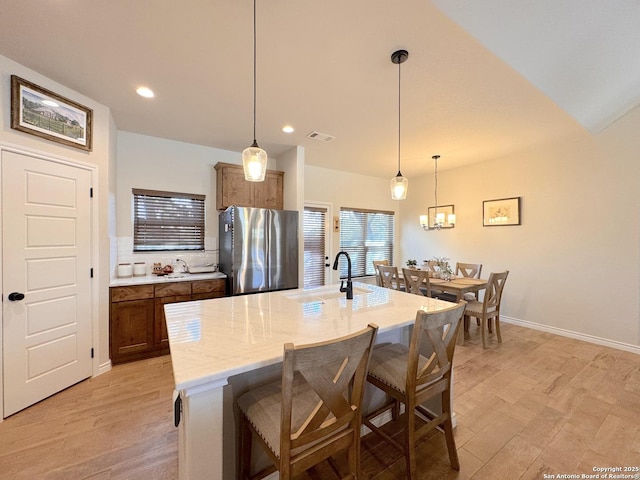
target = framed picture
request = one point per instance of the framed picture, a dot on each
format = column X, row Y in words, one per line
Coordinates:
column 45, row 114
column 440, row 214
column 504, row 211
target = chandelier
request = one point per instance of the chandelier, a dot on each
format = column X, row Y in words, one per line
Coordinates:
column 435, row 219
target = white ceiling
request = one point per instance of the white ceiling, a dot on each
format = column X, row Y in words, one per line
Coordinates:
column 483, row 79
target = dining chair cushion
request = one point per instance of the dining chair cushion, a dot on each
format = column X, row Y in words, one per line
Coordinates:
column 389, row 365
column 474, row 309
column 469, row 297
column 262, row 407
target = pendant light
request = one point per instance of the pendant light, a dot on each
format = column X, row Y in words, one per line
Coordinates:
column 399, row 184
column 254, row 159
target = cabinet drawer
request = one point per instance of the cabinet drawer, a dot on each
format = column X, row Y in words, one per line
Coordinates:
column 171, row 289
column 134, row 292
column 206, row 295
column 208, row 286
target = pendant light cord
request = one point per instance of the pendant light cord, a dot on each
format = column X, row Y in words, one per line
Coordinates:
column 254, row 72
column 399, row 64
column 436, row 181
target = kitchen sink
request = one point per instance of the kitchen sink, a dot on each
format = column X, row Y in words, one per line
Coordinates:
column 324, row 293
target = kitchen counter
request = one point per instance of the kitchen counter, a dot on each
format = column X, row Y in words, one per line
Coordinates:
column 222, row 347
column 181, row 277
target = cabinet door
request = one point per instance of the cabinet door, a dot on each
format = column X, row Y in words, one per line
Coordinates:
column 233, row 189
column 161, row 335
column 203, row 289
column 131, row 328
column 268, row 194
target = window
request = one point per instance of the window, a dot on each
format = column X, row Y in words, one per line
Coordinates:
column 164, row 221
column 314, row 246
column 366, row 235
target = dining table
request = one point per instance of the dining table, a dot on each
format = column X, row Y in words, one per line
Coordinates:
column 458, row 286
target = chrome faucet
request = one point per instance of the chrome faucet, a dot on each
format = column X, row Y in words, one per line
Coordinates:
column 349, row 288
column 185, row 267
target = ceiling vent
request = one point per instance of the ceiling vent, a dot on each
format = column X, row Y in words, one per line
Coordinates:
column 323, row 137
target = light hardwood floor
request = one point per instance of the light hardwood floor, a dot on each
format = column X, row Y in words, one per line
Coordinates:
column 536, row 404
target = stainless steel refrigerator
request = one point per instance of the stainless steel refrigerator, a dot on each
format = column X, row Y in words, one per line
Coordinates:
column 259, row 249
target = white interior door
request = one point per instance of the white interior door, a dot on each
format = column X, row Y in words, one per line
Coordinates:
column 46, row 252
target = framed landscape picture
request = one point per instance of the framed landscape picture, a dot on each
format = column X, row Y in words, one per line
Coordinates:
column 504, row 211
column 45, row 114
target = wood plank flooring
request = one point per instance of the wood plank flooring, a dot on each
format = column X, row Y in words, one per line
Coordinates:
column 536, row 404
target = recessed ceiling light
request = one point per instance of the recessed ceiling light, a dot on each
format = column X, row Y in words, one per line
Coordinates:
column 50, row 103
column 145, row 92
column 288, row 129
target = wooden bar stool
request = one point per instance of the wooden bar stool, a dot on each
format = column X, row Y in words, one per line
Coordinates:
column 314, row 412
column 414, row 374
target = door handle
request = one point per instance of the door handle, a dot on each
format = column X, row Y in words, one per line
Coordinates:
column 16, row 296
column 327, row 265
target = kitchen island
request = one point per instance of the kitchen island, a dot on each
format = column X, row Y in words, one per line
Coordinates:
column 222, row 347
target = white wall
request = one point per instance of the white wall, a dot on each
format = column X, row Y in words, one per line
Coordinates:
column 100, row 157
column 342, row 189
column 574, row 261
column 161, row 164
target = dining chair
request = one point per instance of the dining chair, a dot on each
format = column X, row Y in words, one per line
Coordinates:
column 416, row 281
column 389, row 277
column 375, row 268
column 469, row 270
column 411, row 375
column 314, row 412
column 489, row 309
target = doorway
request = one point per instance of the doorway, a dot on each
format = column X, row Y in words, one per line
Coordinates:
column 317, row 235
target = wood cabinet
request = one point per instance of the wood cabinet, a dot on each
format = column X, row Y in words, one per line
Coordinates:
column 233, row 189
column 137, row 326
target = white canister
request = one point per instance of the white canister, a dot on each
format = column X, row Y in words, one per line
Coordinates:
column 124, row 270
column 139, row 269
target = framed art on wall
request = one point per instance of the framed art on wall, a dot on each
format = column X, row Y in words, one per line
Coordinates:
column 503, row 211
column 43, row 113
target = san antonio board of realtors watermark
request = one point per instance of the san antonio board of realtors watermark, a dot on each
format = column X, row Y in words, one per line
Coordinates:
column 600, row 473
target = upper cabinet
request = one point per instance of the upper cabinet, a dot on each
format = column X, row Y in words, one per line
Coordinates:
column 233, row 189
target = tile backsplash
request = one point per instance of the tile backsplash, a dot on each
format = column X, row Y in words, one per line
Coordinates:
column 124, row 254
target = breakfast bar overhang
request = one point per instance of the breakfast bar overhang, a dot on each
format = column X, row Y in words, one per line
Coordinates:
column 221, row 346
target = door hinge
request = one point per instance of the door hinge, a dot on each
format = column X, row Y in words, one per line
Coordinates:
column 91, row 273
column 91, row 192
column 91, row 352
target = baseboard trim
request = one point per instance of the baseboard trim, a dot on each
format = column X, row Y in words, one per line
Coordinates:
column 571, row 334
column 104, row 368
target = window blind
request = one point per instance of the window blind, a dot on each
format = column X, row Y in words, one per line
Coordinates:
column 166, row 221
column 314, row 226
column 366, row 235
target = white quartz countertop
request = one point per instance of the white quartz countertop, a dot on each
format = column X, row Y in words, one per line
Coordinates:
column 211, row 340
column 185, row 277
